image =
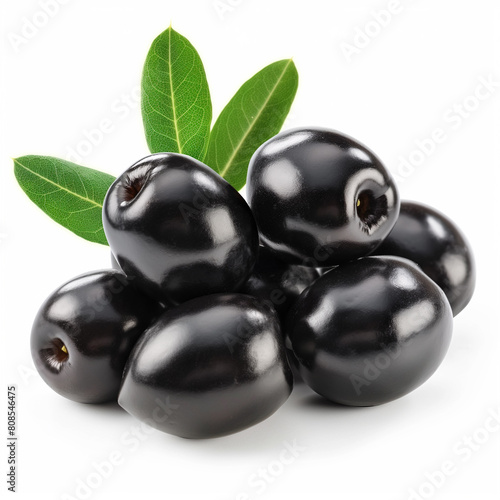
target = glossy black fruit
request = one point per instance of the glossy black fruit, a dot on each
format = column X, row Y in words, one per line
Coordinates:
column 320, row 198
column 436, row 244
column 209, row 367
column 84, row 332
column 370, row 331
column 278, row 282
column 281, row 284
column 179, row 229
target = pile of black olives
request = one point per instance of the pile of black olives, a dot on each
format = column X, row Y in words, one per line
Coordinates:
column 214, row 305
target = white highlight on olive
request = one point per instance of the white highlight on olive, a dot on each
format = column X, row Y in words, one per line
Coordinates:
column 415, row 318
column 283, row 178
column 262, row 350
column 436, row 227
column 456, row 268
column 403, row 279
column 221, row 225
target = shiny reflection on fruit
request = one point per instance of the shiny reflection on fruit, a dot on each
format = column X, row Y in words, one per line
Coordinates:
column 431, row 240
column 316, row 190
column 370, row 331
column 178, row 229
column 84, row 332
column 219, row 360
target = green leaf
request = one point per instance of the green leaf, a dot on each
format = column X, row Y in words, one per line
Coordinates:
column 255, row 114
column 176, row 105
column 68, row 193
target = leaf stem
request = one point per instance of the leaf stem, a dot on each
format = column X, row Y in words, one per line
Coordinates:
column 58, row 185
column 179, row 145
column 254, row 121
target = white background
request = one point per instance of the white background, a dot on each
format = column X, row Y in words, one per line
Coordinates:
column 85, row 63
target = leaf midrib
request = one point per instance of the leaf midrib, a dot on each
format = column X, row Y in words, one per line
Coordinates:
column 179, row 146
column 253, row 122
column 58, row 185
